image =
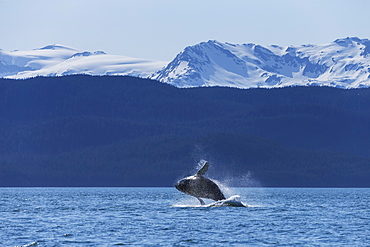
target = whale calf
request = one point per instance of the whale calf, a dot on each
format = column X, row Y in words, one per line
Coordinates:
column 200, row 187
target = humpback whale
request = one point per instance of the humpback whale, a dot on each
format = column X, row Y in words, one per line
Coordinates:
column 200, row 187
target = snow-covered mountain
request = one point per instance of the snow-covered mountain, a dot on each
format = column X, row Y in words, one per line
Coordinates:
column 343, row 63
column 59, row 60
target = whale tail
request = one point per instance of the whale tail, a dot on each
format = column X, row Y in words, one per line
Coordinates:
column 203, row 170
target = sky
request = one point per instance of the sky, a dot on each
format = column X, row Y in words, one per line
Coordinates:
column 160, row 29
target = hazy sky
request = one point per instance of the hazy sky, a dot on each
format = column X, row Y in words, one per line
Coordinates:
column 159, row 29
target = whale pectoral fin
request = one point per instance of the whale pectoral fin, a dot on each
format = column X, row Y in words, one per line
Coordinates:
column 201, row 201
column 203, row 170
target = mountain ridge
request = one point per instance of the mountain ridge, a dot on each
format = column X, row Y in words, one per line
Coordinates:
column 343, row 63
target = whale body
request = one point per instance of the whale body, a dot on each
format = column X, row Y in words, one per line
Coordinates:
column 200, row 187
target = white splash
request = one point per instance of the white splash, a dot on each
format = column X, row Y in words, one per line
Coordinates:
column 233, row 201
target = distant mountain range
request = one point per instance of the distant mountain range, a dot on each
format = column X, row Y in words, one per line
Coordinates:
column 127, row 131
column 59, row 60
column 344, row 63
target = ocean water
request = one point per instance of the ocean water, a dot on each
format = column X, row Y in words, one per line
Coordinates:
column 166, row 217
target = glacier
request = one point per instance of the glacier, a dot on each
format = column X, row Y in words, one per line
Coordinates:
column 343, row 63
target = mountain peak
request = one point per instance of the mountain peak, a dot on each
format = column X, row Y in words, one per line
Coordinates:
column 56, row 47
column 350, row 40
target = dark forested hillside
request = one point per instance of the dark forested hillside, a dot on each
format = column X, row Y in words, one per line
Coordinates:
column 125, row 131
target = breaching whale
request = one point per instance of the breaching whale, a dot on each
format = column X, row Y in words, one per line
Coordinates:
column 200, row 187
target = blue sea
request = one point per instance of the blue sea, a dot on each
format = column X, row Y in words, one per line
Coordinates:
column 166, row 217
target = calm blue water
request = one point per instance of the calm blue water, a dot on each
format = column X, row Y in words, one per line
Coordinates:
column 166, row 217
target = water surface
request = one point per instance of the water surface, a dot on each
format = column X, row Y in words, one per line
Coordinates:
column 166, row 217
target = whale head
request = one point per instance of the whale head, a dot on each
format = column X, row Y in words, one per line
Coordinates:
column 184, row 184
